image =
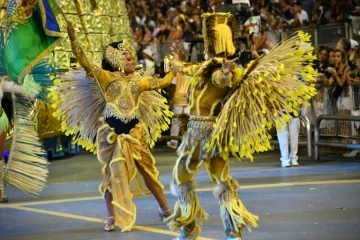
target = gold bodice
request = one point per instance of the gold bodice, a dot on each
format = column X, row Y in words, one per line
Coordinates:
column 206, row 100
column 122, row 96
column 208, row 87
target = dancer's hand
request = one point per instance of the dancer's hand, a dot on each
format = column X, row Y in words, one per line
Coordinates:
column 175, row 50
column 226, row 65
column 71, row 31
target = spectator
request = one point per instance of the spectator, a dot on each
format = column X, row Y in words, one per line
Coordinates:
column 273, row 35
column 346, row 7
column 341, row 95
column 339, row 74
column 143, row 20
column 354, row 81
column 163, row 31
column 318, row 19
column 322, row 101
column 288, row 17
column 321, row 64
column 349, row 46
column 341, row 9
column 260, row 41
column 325, row 8
column 332, row 57
column 301, row 17
column 143, row 37
column 354, row 48
column 148, row 62
column 344, row 44
column 288, row 137
column 308, row 6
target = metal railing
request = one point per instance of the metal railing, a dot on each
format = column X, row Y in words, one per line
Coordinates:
column 325, row 35
column 318, row 143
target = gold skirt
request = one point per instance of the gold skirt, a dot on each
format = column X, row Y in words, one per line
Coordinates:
column 118, row 155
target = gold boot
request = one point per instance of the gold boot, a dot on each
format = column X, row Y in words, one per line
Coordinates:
column 189, row 235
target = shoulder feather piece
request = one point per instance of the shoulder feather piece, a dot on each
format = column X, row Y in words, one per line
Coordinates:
column 79, row 104
column 265, row 94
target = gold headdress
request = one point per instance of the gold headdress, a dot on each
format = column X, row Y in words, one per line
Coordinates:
column 220, row 30
column 115, row 56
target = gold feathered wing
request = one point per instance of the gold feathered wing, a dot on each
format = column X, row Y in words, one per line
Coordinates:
column 155, row 114
column 79, row 104
column 265, row 94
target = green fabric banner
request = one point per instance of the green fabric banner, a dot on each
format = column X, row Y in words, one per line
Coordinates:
column 28, row 43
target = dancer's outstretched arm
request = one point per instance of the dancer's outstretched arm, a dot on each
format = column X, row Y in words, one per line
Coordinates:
column 101, row 75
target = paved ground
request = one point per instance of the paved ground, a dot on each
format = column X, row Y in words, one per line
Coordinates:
column 318, row 200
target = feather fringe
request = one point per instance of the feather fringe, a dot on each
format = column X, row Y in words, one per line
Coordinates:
column 155, row 114
column 78, row 103
column 234, row 215
column 2, row 50
column 185, row 212
column 30, row 88
column 268, row 94
column 27, row 168
column 43, row 74
column 238, row 215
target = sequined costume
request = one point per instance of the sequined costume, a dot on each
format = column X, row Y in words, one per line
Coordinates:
column 230, row 112
column 132, row 115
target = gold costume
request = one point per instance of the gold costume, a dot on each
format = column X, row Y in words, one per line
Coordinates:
column 130, row 101
column 231, row 113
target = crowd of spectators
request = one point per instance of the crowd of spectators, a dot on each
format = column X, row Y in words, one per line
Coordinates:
column 169, row 20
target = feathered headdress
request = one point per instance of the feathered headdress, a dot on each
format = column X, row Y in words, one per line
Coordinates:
column 219, row 31
column 115, row 56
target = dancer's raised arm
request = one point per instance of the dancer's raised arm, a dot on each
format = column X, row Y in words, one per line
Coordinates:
column 91, row 69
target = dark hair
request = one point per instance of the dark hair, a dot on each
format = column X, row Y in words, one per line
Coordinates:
column 297, row 3
column 322, row 48
column 105, row 64
column 346, row 44
column 317, row 12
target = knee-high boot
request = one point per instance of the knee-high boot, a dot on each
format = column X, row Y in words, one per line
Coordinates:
column 186, row 209
column 235, row 217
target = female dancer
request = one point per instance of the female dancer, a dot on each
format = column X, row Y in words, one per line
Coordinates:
column 130, row 113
